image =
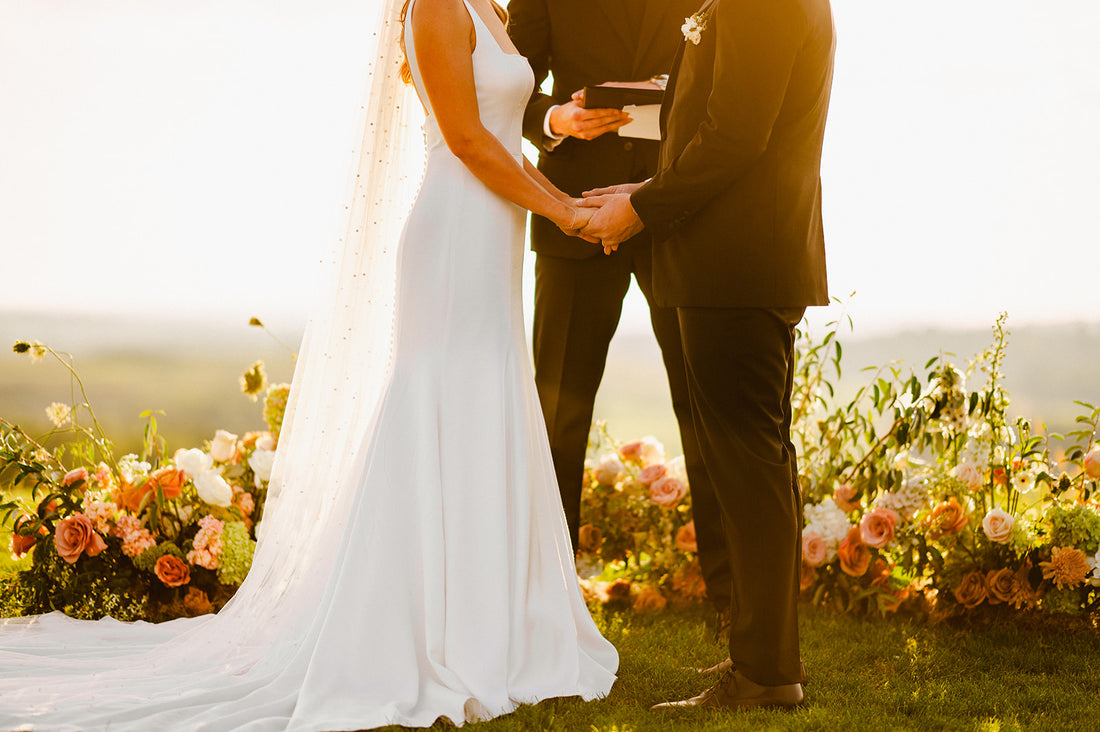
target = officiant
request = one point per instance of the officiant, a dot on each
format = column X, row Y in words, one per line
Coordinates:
column 579, row 291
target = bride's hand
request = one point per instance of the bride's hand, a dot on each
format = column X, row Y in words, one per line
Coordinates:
column 579, row 219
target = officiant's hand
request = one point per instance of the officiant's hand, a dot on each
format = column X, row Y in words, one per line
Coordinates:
column 573, row 120
column 614, row 221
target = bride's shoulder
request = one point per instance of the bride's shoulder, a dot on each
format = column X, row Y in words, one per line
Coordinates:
column 439, row 17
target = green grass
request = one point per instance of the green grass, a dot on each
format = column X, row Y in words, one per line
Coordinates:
column 865, row 674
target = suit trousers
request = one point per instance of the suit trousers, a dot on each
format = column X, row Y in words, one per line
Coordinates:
column 577, row 307
column 740, row 370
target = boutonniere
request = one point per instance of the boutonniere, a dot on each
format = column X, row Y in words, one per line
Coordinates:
column 694, row 26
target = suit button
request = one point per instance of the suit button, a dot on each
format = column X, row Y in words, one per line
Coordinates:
column 628, row 146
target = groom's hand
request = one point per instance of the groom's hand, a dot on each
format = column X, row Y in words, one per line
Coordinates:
column 627, row 188
column 614, row 221
column 573, row 120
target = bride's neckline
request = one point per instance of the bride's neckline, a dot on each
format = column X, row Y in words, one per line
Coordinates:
column 484, row 24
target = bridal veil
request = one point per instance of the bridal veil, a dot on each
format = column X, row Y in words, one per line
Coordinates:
column 240, row 668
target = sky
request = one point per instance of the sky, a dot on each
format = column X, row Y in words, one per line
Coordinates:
column 190, row 159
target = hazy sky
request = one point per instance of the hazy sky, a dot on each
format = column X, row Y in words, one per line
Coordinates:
column 189, row 158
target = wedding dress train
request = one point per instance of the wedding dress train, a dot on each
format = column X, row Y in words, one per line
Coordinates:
column 449, row 590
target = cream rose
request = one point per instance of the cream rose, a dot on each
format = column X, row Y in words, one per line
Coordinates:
column 261, row 461
column 224, row 446
column 609, row 470
column 969, row 475
column 997, row 525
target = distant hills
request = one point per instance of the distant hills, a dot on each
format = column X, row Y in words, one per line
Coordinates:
column 190, row 370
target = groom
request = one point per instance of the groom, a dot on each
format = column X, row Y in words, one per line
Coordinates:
column 735, row 214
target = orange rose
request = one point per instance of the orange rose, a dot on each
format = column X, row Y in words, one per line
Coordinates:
column 589, row 539
column 172, row 571
column 854, row 555
column 685, row 538
column 20, row 545
column 891, row 598
column 946, row 518
column 76, row 535
column 169, row 479
column 667, row 492
column 877, row 527
column 971, row 592
column 649, row 599
column 845, row 498
column 808, row 576
column 73, row 476
column 133, row 497
column 618, row 591
column 688, row 582
column 1000, row 585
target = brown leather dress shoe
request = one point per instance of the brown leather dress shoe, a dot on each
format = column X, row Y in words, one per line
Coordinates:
column 735, row 691
column 726, row 664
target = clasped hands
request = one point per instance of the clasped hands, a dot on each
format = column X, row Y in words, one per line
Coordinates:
column 605, row 216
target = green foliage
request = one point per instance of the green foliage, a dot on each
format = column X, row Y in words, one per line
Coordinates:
column 237, row 551
column 1076, row 525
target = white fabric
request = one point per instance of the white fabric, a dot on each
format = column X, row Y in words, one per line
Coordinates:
column 414, row 561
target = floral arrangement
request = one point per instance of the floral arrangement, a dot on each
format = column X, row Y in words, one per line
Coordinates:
column 919, row 495
column 147, row 536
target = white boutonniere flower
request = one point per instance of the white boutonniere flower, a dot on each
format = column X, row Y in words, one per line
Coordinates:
column 694, row 26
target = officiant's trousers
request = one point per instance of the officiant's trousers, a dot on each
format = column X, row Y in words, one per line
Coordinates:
column 577, row 307
column 740, row 372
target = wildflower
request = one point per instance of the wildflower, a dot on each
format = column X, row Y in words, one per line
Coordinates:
column 60, row 415
column 254, row 380
column 1068, row 567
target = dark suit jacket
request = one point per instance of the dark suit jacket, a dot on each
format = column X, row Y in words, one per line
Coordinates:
column 735, row 209
column 589, row 42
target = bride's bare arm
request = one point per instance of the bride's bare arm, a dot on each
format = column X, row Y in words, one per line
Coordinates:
column 444, row 36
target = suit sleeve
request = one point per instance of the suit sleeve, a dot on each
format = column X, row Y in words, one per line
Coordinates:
column 757, row 45
column 529, row 29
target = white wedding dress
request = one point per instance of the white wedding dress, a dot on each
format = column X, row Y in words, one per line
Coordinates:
column 450, row 590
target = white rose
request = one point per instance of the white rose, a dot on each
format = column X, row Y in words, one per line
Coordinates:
column 213, row 489
column 609, row 470
column 652, row 451
column 194, row 462
column 265, row 442
column 260, row 461
column 224, row 446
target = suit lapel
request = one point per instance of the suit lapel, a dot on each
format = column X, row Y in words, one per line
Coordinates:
column 619, row 24
column 657, row 12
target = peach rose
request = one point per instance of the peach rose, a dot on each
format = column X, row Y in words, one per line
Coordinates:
column 1092, row 462
column 685, row 538
column 631, row 451
column 20, row 545
column 170, row 480
column 649, row 599
column 997, row 525
column 667, row 492
column 651, row 473
column 172, row 571
column 854, row 555
column 589, row 539
column 646, row 451
column 76, row 535
column 1000, row 585
column 807, row 577
column 102, row 475
column 618, row 591
column 74, row 475
column 877, row 527
column 223, row 447
column 814, row 549
column 946, row 518
column 971, row 592
column 969, row 475
column 845, row 498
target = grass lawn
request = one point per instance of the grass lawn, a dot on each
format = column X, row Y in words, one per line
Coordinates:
column 865, row 674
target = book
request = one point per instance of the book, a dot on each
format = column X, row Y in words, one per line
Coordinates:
column 645, row 122
column 617, row 97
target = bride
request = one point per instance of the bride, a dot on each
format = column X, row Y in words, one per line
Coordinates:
column 414, row 561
